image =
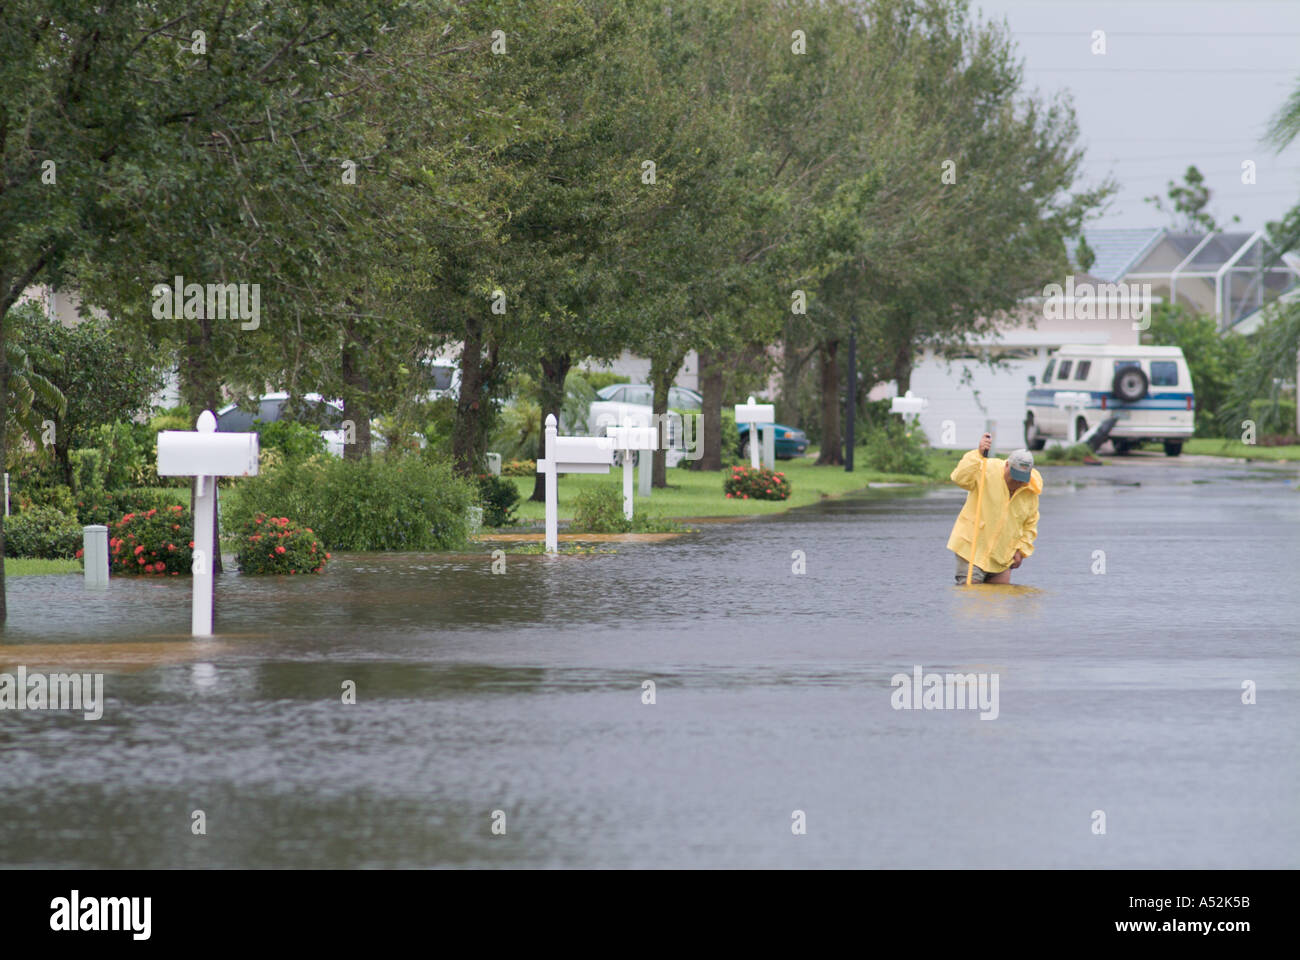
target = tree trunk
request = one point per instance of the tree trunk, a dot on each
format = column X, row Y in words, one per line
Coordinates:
column 710, row 435
column 466, row 443
column 356, row 388
column 663, row 371
column 830, row 376
column 4, row 459
column 903, row 368
column 200, row 387
column 555, row 369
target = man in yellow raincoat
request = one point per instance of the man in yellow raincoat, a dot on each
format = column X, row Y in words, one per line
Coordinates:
column 1008, row 524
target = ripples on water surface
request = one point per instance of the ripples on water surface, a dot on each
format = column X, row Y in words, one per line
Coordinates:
column 522, row 693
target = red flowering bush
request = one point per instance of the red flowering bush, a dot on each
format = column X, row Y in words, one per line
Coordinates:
column 746, row 483
column 155, row 542
column 277, row 545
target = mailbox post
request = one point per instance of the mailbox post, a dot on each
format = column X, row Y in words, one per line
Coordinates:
column 756, row 414
column 205, row 455
column 630, row 439
column 568, row 455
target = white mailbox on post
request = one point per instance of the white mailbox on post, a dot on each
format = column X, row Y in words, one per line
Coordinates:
column 630, row 439
column 908, row 405
column 756, row 415
column 568, row 455
column 205, row 454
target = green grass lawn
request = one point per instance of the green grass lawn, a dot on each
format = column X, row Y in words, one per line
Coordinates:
column 27, row 566
column 1235, row 448
column 692, row 493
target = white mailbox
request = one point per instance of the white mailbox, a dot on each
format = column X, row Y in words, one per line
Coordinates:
column 582, row 454
column 908, row 405
column 188, row 453
column 756, row 415
column 204, row 454
column 568, row 455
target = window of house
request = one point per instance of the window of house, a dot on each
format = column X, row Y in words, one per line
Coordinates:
column 1164, row 373
column 1085, row 367
column 1064, row 373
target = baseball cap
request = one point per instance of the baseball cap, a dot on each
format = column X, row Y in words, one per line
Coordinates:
column 1022, row 461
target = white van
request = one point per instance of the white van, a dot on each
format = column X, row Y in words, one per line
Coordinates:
column 1148, row 388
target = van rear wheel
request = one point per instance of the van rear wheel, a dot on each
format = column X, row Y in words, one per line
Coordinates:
column 1173, row 448
column 1032, row 439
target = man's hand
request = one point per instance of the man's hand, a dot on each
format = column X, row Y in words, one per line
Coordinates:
column 986, row 442
column 1016, row 560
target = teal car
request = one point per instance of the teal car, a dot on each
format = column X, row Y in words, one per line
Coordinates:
column 791, row 442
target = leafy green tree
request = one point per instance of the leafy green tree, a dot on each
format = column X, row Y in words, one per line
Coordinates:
column 98, row 378
column 141, row 141
column 1187, row 204
column 1215, row 360
column 28, row 391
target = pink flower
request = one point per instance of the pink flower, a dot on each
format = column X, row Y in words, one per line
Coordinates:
column 279, row 549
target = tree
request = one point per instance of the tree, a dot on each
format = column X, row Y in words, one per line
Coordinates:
column 1188, row 204
column 97, row 377
column 135, row 140
column 28, row 391
column 1284, row 236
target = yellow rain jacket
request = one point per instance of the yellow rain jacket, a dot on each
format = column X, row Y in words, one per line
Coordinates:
column 1009, row 522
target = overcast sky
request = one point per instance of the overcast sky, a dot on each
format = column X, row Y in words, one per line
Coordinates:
column 1182, row 81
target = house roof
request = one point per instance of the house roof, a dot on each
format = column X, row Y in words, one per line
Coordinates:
column 1218, row 250
column 1252, row 321
column 1118, row 250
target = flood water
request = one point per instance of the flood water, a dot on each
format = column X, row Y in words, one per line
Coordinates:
column 522, row 693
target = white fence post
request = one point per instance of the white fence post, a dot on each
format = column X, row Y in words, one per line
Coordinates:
column 94, row 555
column 628, row 457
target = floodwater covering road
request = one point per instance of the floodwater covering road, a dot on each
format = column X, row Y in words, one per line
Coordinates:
column 522, row 692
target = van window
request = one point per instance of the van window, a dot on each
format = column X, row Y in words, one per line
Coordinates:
column 1064, row 373
column 1121, row 364
column 1047, row 374
column 1164, row 373
column 1082, row 372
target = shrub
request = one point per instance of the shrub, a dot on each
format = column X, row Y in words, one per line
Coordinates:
column 277, row 545
column 398, row 503
column 600, row 510
column 1273, row 416
column 57, row 497
column 896, row 446
column 43, row 532
column 294, row 441
column 87, row 469
column 498, row 497
column 519, row 468
column 730, row 438
column 746, row 483
column 1061, row 453
column 31, row 474
column 129, row 452
column 155, row 542
column 104, row 507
